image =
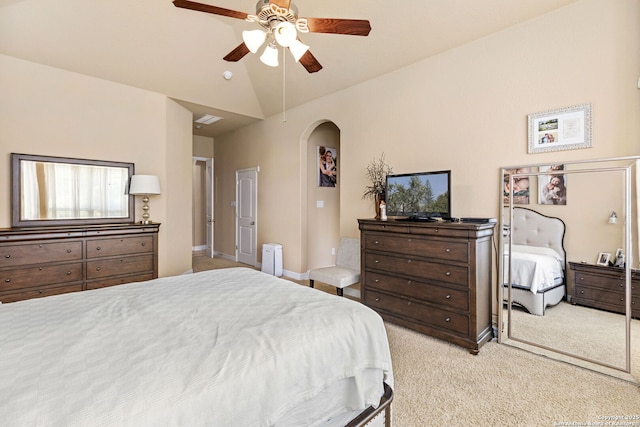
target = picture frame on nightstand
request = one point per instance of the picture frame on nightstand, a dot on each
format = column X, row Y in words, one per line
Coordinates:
column 618, row 261
column 603, row 258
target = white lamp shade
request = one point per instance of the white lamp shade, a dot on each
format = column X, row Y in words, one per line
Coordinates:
column 254, row 39
column 270, row 56
column 144, row 185
column 298, row 49
column 285, row 33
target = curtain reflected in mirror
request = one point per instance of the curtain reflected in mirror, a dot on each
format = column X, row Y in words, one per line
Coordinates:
column 56, row 191
column 564, row 300
column 63, row 191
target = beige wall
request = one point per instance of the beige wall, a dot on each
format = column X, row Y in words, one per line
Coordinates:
column 49, row 111
column 464, row 110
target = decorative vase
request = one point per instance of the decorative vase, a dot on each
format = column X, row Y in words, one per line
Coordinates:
column 379, row 197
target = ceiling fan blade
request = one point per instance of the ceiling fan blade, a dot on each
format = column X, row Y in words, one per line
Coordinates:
column 186, row 4
column 237, row 54
column 310, row 63
column 353, row 27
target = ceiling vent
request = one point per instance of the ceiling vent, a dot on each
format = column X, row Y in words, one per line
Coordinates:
column 207, row 119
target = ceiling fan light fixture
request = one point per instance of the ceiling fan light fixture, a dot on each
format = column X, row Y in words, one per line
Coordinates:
column 254, row 39
column 270, row 55
column 285, row 34
column 298, row 49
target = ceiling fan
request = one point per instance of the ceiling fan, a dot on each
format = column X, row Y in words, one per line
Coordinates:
column 281, row 25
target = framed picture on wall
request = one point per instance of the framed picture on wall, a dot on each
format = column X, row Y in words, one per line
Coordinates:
column 552, row 188
column 562, row 129
column 520, row 186
column 327, row 167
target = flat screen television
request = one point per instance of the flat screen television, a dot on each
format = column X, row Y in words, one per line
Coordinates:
column 422, row 195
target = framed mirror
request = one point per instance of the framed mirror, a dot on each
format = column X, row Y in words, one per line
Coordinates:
column 583, row 312
column 48, row 191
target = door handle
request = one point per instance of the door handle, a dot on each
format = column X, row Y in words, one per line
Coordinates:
column 253, row 223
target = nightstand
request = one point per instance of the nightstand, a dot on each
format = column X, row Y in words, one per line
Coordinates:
column 602, row 287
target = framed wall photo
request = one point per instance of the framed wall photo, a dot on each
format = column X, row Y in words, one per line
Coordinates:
column 327, row 167
column 603, row 258
column 566, row 128
column 520, row 186
column 552, row 188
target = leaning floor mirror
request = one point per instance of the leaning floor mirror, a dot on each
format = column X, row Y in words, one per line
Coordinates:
column 569, row 278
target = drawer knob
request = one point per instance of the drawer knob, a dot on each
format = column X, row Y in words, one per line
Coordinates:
column 377, row 299
column 7, row 256
column 39, row 246
column 7, row 280
column 448, row 319
column 447, row 250
column 377, row 242
column 377, row 280
column 143, row 244
column 582, row 292
column 98, row 268
column 448, row 273
column 448, row 297
column 408, row 261
column 68, row 273
column 98, row 248
column 39, row 291
column 377, row 261
column 622, row 299
column 409, row 303
column 68, row 251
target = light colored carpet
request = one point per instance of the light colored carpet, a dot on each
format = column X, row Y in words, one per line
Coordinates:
column 440, row 384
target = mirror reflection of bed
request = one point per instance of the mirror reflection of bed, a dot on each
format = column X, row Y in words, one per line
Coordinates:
column 537, row 246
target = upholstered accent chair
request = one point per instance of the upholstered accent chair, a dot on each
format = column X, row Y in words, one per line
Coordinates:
column 346, row 272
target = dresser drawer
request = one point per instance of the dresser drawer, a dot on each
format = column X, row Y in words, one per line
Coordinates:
column 119, row 246
column 600, row 295
column 37, row 253
column 450, row 298
column 445, row 250
column 29, row 277
column 104, row 283
column 119, row 266
column 425, row 270
column 439, row 318
column 43, row 291
column 611, row 283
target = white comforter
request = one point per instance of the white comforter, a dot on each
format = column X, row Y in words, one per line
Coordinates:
column 231, row 347
column 535, row 267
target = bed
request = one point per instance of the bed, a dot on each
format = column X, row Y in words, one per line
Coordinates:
column 227, row 347
column 538, row 261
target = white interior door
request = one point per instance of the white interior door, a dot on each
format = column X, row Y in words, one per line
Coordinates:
column 246, row 216
column 210, row 205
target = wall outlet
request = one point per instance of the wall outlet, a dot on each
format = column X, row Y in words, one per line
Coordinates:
column 333, row 251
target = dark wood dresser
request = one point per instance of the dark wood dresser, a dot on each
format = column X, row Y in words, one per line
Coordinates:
column 603, row 287
column 433, row 277
column 37, row 262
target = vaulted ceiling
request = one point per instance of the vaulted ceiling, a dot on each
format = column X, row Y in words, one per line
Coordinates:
column 153, row 45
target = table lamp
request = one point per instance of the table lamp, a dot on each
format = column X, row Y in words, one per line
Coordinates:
column 144, row 185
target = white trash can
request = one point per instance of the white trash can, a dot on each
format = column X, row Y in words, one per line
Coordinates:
column 272, row 259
